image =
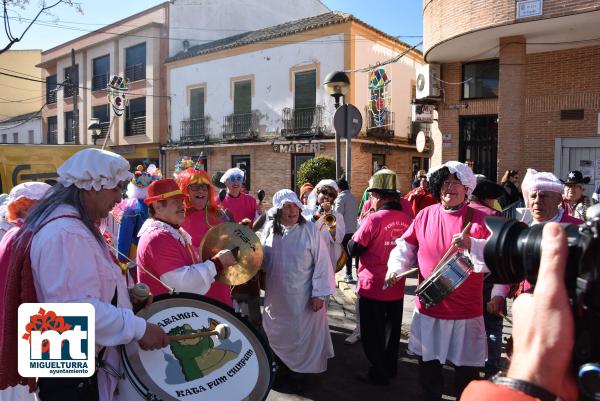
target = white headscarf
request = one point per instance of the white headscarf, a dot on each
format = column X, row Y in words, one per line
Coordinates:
column 534, row 181
column 29, row 190
column 311, row 202
column 94, row 168
column 462, row 171
column 285, row 196
column 232, row 171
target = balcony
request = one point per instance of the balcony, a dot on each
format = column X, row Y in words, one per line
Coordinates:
column 302, row 122
column 51, row 96
column 70, row 88
column 193, row 131
column 135, row 72
column 135, row 125
column 240, row 126
column 380, row 127
column 99, row 82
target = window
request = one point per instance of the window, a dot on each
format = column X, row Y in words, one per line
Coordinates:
column 480, row 79
column 15, row 137
column 242, row 97
column 378, row 162
column 30, row 134
column 69, row 129
column 478, row 143
column 51, row 89
column 71, row 80
column 305, row 98
column 135, row 62
column 298, row 160
column 4, row 138
column 102, row 113
column 135, row 114
column 243, row 163
column 52, row 134
column 101, row 67
column 196, row 103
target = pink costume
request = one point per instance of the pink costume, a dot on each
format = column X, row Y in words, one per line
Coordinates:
column 196, row 225
column 242, row 207
column 167, row 253
column 6, row 245
column 484, row 209
column 378, row 233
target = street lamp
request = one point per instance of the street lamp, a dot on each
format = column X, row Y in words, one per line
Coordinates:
column 337, row 85
column 94, row 128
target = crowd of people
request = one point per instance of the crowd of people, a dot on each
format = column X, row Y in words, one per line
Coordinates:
column 153, row 237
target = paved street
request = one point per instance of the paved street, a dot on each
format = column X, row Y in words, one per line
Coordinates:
column 339, row 382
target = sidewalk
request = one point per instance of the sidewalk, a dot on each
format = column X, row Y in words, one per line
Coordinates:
column 339, row 382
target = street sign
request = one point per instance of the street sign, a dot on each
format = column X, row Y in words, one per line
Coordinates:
column 354, row 121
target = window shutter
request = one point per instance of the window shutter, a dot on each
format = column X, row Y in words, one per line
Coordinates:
column 305, row 96
column 242, row 97
column 196, row 103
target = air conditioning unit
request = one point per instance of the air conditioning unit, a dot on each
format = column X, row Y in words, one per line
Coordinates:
column 428, row 84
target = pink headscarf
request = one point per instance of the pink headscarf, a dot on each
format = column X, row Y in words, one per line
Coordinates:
column 535, row 181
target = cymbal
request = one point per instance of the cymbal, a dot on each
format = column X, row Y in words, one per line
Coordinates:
column 230, row 236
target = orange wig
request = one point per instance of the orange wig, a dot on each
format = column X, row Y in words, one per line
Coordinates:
column 191, row 176
column 19, row 208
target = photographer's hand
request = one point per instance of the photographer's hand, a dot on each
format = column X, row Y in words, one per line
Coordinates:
column 543, row 330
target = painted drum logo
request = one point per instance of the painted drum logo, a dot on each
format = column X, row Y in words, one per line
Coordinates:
column 56, row 340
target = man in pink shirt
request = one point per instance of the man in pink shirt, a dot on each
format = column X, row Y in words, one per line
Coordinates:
column 165, row 253
column 380, row 309
column 453, row 330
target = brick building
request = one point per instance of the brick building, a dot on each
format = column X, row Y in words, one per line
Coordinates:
column 518, row 84
column 256, row 99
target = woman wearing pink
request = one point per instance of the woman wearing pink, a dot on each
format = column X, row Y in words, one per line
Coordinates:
column 201, row 214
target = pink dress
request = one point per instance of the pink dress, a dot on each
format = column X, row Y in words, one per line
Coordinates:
column 196, row 225
column 6, row 245
column 242, row 207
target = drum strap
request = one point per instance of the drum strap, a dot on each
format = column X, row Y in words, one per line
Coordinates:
column 468, row 217
column 466, row 221
column 100, row 357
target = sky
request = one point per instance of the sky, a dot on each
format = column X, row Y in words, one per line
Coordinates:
column 401, row 18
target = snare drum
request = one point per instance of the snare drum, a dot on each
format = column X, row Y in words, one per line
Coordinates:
column 444, row 280
column 207, row 368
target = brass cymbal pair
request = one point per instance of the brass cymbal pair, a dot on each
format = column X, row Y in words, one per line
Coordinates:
column 249, row 251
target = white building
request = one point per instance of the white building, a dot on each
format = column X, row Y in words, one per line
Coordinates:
column 26, row 128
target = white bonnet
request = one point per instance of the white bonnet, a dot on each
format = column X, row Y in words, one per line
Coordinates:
column 230, row 172
column 284, row 196
column 29, row 190
column 94, row 168
column 462, row 171
column 312, row 197
column 542, row 181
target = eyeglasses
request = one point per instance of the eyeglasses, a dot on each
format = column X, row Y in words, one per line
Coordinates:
column 236, row 178
column 197, row 187
column 450, row 183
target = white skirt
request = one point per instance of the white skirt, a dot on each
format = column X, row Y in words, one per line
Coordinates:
column 462, row 342
column 17, row 393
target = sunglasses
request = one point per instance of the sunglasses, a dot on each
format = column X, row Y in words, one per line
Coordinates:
column 236, row 178
column 197, row 187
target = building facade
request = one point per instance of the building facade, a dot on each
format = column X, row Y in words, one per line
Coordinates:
column 19, row 82
column 26, row 128
column 515, row 84
column 77, row 73
column 256, row 100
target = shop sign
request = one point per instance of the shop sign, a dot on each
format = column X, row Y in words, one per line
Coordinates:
column 529, row 8
column 446, row 140
column 422, row 113
column 123, row 149
column 378, row 149
column 298, row 147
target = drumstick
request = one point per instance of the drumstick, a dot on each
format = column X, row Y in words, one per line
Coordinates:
column 449, row 251
column 400, row 275
column 509, row 320
column 222, row 331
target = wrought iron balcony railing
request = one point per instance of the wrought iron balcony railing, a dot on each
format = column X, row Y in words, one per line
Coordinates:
column 240, row 126
column 99, row 82
column 380, row 125
column 193, row 131
column 135, row 72
column 135, row 126
column 302, row 122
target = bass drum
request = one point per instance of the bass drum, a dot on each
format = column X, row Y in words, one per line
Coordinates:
column 207, row 368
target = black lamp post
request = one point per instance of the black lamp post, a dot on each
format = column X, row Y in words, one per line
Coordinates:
column 337, row 85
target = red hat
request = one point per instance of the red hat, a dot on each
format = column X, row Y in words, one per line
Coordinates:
column 162, row 190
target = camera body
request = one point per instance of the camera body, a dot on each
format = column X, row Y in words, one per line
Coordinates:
column 513, row 254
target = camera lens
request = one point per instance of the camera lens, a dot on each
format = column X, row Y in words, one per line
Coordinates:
column 513, row 251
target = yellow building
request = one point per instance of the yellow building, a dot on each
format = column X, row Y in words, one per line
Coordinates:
column 20, row 96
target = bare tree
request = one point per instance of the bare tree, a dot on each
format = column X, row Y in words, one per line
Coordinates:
column 44, row 8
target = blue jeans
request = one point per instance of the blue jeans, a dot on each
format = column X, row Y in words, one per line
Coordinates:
column 493, row 331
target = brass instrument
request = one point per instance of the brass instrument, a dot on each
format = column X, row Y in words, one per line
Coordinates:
column 230, row 236
column 330, row 221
